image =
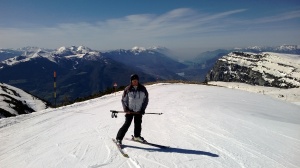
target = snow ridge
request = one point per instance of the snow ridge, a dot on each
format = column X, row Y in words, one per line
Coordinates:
column 267, row 69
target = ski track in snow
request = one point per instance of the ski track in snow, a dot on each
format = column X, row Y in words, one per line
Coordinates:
column 204, row 126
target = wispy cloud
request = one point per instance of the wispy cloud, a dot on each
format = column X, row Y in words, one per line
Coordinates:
column 174, row 23
column 279, row 17
column 183, row 24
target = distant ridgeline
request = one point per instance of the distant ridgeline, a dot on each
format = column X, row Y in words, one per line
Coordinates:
column 265, row 69
column 82, row 72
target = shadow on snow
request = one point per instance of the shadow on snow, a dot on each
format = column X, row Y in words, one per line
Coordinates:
column 174, row 150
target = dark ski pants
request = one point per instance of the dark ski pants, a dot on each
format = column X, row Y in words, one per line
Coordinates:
column 126, row 125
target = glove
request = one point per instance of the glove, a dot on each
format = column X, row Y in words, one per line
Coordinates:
column 142, row 112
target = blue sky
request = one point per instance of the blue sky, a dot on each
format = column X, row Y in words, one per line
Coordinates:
column 175, row 24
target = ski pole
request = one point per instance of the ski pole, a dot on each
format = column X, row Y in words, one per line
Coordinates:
column 155, row 113
column 114, row 113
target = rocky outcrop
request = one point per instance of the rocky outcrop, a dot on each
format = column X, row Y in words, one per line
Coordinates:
column 14, row 101
column 265, row 69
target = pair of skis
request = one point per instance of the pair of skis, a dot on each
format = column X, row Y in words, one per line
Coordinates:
column 119, row 146
column 131, row 139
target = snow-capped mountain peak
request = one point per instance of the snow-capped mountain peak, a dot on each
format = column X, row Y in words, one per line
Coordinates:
column 83, row 49
column 138, row 49
column 292, row 49
column 79, row 49
column 29, row 53
column 74, row 50
column 152, row 50
column 61, row 49
column 287, row 47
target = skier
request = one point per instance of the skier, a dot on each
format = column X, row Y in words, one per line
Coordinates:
column 134, row 100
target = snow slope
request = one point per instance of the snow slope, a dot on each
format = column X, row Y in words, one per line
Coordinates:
column 290, row 95
column 205, row 126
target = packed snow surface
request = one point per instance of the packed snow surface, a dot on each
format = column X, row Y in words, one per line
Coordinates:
column 290, row 95
column 205, row 126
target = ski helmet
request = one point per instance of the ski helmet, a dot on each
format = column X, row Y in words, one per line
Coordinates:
column 133, row 77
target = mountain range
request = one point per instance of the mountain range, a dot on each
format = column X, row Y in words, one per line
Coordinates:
column 82, row 71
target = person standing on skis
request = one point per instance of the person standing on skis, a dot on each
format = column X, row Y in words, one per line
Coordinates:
column 134, row 100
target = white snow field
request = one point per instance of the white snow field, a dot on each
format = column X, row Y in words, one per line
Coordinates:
column 290, row 95
column 205, row 126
